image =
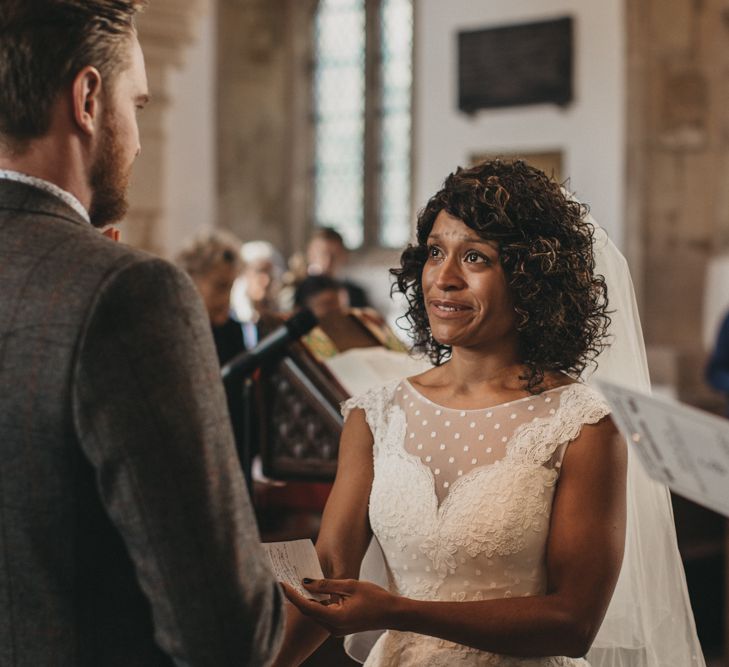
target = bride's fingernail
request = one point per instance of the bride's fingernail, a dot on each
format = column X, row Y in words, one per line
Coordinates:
column 306, row 580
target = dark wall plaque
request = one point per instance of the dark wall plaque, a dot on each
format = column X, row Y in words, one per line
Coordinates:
column 529, row 63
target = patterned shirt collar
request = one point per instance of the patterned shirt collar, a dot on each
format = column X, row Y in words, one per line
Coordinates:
column 50, row 188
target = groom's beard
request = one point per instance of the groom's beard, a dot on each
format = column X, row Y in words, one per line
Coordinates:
column 109, row 178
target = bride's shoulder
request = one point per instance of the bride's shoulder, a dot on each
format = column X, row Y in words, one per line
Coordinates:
column 374, row 398
column 582, row 401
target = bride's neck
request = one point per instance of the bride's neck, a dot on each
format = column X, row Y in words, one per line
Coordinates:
column 471, row 368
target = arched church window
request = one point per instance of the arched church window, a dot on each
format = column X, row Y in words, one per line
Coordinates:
column 362, row 120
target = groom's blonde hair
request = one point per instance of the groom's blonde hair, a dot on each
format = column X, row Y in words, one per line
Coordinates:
column 43, row 45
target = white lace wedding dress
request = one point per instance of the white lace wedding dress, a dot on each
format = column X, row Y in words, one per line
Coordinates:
column 461, row 503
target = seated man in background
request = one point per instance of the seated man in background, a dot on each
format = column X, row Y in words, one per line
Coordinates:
column 322, row 295
column 327, row 255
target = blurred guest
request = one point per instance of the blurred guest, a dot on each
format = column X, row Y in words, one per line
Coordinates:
column 326, row 297
column 295, row 273
column 717, row 370
column 254, row 297
column 213, row 262
column 322, row 295
column 327, row 255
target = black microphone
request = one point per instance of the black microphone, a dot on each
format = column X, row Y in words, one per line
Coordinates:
column 270, row 347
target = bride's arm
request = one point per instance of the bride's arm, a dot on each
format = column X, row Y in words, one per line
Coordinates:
column 584, row 553
column 343, row 537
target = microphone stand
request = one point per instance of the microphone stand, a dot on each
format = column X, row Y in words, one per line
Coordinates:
column 244, row 452
column 244, row 447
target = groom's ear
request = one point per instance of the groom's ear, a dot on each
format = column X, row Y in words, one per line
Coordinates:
column 86, row 100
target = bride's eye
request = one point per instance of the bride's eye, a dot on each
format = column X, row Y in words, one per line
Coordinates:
column 473, row 257
column 434, row 251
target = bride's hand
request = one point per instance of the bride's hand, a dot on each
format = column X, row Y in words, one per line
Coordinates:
column 355, row 606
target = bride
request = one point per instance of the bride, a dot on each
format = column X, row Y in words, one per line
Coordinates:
column 495, row 483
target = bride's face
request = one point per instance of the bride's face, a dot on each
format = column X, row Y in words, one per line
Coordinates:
column 466, row 296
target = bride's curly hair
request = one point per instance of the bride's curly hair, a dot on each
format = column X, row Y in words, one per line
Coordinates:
column 545, row 248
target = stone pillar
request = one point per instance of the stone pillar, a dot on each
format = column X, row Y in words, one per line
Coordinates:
column 299, row 184
column 678, row 169
column 264, row 88
column 165, row 28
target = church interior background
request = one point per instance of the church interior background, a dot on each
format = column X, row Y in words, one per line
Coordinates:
column 235, row 137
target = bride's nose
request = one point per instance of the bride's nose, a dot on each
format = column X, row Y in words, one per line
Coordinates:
column 450, row 275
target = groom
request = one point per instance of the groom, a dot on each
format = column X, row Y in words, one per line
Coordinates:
column 126, row 535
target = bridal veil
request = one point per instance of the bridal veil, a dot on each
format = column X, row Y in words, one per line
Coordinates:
column 649, row 622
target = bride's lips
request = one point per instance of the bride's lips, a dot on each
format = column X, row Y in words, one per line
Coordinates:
column 447, row 309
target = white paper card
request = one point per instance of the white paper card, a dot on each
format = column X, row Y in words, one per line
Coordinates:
column 685, row 448
column 293, row 561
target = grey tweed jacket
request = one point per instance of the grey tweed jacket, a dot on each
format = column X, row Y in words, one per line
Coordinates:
column 126, row 535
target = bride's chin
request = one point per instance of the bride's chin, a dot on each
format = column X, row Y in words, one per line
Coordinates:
column 445, row 339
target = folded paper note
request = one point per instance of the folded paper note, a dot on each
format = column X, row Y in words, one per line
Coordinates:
column 293, row 561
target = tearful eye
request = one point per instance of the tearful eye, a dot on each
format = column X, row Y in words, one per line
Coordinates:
column 474, row 257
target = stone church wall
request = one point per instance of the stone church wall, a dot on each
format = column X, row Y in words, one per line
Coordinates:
column 677, row 173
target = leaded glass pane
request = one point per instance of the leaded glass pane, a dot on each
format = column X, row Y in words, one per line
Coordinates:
column 339, row 105
column 397, row 31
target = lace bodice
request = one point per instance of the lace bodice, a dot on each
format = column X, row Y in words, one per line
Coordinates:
column 461, row 502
